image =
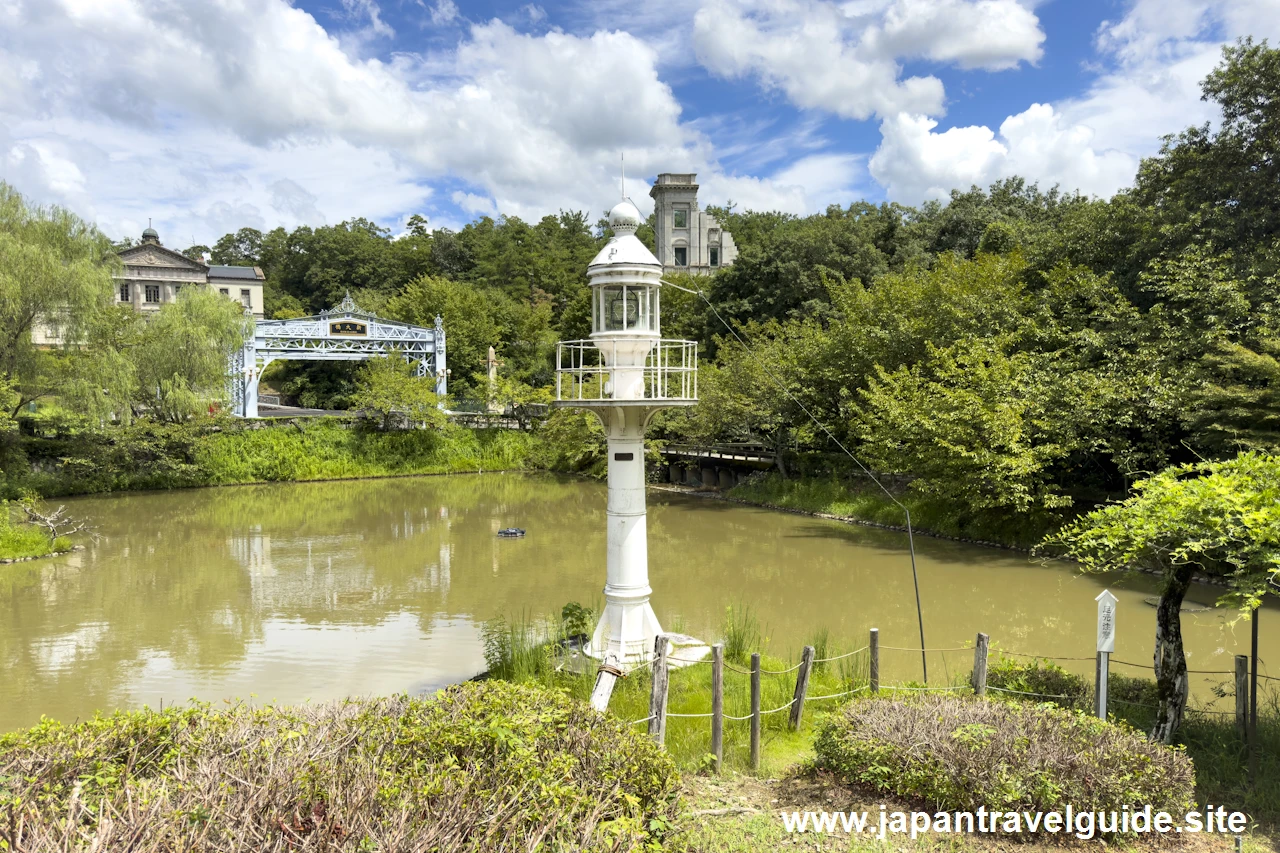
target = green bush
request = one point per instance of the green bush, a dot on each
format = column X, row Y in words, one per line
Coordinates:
column 1006, row 756
column 221, row 451
column 20, row 540
column 482, row 766
column 1044, row 679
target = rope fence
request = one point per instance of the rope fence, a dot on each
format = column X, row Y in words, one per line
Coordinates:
column 977, row 684
column 843, row 656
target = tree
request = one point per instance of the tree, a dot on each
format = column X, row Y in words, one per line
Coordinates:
column 525, row 402
column 1238, row 406
column 739, row 397
column 243, row 248
column 1218, row 187
column 391, row 389
column 182, row 355
column 1220, row 518
column 55, row 279
column 973, row 423
column 469, row 322
column 197, row 252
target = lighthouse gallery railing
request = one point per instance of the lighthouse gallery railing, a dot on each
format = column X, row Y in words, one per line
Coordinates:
column 582, row 371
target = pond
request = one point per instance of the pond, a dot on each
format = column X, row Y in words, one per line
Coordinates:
column 314, row 591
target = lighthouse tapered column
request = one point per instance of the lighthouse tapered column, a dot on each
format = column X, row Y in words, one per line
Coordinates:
column 628, row 625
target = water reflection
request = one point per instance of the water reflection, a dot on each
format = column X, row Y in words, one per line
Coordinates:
column 315, row 591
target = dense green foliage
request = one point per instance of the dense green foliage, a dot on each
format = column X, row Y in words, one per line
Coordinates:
column 391, row 389
column 490, row 766
column 55, row 280
column 148, row 455
column 1219, row 518
column 180, row 354
column 1015, row 757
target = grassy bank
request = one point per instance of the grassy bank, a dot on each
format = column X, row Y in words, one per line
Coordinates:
column 861, row 500
column 740, row 805
column 225, row 451
column 21, row 541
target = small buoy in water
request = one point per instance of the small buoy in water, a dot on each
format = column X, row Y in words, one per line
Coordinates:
column 511, row 532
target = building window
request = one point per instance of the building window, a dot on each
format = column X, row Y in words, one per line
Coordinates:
column 177, row 288
column 125, row 294
column 682, row 218
column 245, row 299
column 715, row 257
column 224, row 292
column 682, row 256
column 153, row 293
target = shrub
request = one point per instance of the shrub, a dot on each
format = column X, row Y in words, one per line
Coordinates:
column 1006, row 756
column 490, row 766
column 1042, row 678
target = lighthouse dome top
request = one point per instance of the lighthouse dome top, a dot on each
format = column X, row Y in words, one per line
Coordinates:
column 624, row 248
column 625, row 217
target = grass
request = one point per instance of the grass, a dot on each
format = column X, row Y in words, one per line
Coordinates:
column 527, row 650
column 861, row 500
column 532, row 645
column 20, row 541
column 224, row 452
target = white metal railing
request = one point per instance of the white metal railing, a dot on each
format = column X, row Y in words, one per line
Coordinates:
column 582, row 374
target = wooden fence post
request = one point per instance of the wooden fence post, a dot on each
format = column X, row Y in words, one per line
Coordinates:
column 874, row 646
column 755, row 710
column 1242, row 695
column 802, row 687
column 717, row 703
column 658, row 693
column 980, row 664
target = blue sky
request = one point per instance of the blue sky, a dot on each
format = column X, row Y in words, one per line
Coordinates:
column 211, row 115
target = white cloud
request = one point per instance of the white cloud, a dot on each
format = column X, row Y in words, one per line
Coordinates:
column 991, row 34
column 444, row 12
column 475, row 204
column 1156, row 55
column 914, row 163
column 273, row 119
column 845, row 59
column 359, row 9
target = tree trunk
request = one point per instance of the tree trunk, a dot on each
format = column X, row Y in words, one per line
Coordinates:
column 1170, row 659
column 779, row 450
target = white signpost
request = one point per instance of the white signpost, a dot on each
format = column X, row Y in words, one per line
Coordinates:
column 1106, row 645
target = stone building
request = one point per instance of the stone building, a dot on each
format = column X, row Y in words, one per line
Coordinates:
column 153, row 275
column 688, row 239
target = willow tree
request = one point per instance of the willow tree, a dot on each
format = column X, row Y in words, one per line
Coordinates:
column 55, row 281
column 1218, row 518
column 182, row 354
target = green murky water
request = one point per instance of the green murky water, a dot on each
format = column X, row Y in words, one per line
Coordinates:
column 321, row 590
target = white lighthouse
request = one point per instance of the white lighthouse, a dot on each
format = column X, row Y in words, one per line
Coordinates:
column 624, row 374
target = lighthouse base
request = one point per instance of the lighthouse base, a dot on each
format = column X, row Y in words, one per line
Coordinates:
column 625, row 636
